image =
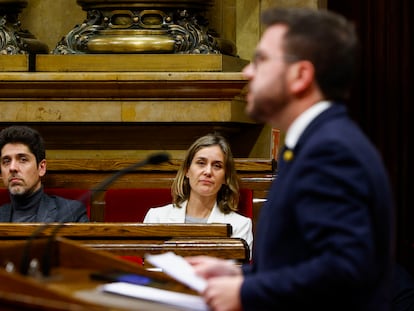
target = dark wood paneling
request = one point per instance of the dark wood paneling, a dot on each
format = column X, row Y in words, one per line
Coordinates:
column 145, row 136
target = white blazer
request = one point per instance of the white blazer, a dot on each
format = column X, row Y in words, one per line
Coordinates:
column 242, row 226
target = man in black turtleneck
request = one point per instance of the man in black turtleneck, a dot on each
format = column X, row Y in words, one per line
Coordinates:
column 23, row 163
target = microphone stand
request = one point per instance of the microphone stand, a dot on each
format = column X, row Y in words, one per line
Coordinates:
column 25, row 262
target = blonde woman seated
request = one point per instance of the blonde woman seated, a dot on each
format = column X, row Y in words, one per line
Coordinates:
column 206, row 189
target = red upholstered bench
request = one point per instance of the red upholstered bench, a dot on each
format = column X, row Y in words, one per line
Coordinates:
column 131, row 205
column 73, row 194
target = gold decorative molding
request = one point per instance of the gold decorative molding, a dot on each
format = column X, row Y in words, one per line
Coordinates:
column 157, row 26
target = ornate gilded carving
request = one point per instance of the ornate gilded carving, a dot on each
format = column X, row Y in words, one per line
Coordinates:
column 126, row 26
column 13, row 39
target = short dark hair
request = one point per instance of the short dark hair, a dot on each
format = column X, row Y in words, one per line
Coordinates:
column 24, row 135
column 324, row 38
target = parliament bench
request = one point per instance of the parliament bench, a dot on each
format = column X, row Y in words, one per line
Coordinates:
column 129, row 204
column 255, row 175
column 123, row 205
column 146, row 187
column 122, row 232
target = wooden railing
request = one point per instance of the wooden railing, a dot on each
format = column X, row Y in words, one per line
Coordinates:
column 132, row 239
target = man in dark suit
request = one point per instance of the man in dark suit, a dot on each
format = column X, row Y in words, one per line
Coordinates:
column 23, row 164
column 324, row 237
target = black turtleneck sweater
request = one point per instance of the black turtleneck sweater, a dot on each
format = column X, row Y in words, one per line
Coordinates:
column 24, row 208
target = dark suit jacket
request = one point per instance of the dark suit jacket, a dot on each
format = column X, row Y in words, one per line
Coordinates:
column 53, row 209
column 323, row 239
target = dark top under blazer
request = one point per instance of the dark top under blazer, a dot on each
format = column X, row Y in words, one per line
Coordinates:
column 323, row 239
column 53, row 209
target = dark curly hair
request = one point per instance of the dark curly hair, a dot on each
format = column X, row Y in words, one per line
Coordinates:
column 24, row 135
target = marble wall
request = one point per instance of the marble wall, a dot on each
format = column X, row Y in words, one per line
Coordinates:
column 50, row 20
column 248, row 28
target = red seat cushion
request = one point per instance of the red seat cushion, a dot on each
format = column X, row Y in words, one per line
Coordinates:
column 4, row 196
column 131, row 205
column 246, row 202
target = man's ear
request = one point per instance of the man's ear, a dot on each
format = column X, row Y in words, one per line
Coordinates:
column 42, row 168
column 301, row 76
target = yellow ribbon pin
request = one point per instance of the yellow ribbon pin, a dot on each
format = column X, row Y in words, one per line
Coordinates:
column 288, row 155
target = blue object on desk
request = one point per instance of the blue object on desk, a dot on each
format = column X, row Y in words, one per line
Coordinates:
column 133, row 279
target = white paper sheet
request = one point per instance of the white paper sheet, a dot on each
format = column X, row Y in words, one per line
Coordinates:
column 178, row 268
column 185, row 301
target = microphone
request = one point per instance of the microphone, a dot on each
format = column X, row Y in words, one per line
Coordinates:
column 156, row 158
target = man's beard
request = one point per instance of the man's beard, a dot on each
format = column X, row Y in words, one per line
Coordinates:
column 17, row 190
column 265, row 109
column 269, row 101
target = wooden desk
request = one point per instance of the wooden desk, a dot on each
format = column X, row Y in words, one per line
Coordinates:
column 137, row 239
column 69, row 286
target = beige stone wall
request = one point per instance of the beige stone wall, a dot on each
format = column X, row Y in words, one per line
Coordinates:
column 248, row 31
column 248, row 28
column 50, row 20
column 222, row 18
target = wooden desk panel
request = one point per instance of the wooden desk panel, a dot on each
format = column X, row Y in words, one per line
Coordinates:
column 226, row 248
column 114, row 231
